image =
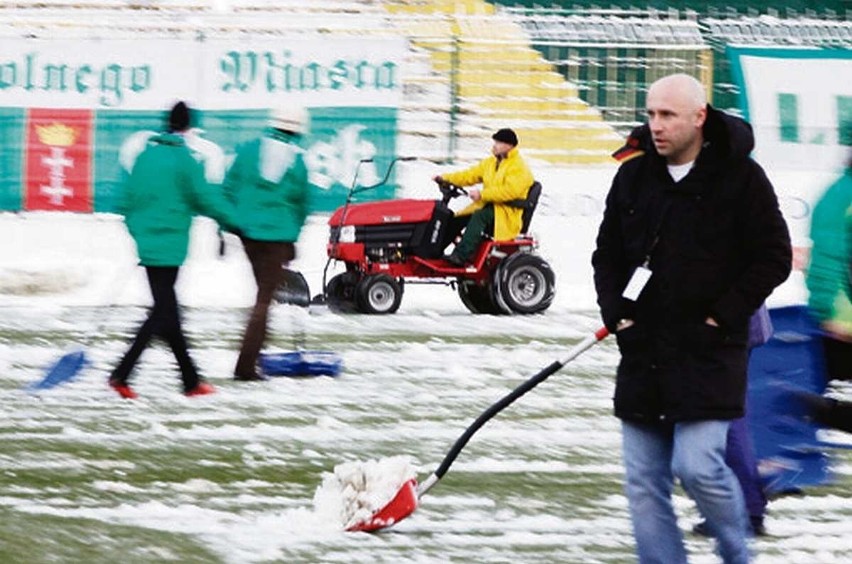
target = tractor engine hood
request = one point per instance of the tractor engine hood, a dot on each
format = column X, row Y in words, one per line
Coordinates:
column 382, row 213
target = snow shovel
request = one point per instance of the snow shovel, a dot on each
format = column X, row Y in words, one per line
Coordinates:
column 293, row 289
column 72, row 363
column 63, row 370
column 407, row 497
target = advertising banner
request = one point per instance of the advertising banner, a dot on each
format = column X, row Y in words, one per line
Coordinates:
column 94, row 74
column 799, row 102
column 58, row 160
column 12, row 122
column 75, row 114
column 310, row 72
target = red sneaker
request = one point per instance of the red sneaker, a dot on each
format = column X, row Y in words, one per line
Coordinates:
column 123, row 390
column 201, row 389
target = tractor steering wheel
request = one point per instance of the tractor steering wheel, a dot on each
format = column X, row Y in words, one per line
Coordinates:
column 450, row 191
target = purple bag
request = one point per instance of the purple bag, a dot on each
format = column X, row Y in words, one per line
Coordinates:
column 759, row 327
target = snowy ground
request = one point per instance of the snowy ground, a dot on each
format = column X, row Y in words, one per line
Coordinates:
column 231, row 477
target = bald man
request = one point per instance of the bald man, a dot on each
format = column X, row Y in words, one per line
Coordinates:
column 691, row 243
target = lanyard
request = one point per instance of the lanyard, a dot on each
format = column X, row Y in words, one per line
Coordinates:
column 667, row 204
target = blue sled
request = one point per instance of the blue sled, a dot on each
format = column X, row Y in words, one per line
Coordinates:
column 789, row 454
column 64, row 370
column 301, row 363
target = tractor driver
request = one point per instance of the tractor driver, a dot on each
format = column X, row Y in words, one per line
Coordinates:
column 505, row 178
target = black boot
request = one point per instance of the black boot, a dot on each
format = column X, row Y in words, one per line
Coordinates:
column 455, row 259
column 816, row 408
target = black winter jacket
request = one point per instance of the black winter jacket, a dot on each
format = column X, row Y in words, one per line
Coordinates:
column 722, row 247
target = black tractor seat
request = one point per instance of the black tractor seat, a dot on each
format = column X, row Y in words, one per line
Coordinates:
column 528, row 205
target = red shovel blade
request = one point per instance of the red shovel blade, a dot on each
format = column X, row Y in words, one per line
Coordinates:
column 401, row 506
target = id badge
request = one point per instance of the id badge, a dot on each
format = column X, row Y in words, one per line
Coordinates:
column 637, row 283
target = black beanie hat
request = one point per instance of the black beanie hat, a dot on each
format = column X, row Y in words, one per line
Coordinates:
column 179, row 118
column 506, row 135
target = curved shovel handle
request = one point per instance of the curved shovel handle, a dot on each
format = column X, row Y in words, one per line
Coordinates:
column 505, row 402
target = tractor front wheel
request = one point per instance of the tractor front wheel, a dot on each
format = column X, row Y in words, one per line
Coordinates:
column 378, row 294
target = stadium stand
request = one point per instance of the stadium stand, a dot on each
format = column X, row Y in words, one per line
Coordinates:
column 793, row 9
column 498, row 80
column 619, row 38
column 613, row 58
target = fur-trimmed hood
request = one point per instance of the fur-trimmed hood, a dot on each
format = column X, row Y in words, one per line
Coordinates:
column 726, row 137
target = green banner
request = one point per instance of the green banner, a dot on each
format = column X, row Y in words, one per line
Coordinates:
column 112, row 128
column 12, row 121
column 339, row 138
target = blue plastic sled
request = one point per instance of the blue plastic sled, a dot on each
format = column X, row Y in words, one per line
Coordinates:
column 64, row 370
column 301, row 363
column 788, row 452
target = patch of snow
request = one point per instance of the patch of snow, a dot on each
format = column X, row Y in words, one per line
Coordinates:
column 355, row 491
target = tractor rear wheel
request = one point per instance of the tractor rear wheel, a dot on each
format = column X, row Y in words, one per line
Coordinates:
column 340, row 292
column 478, row 298
column 524, row 283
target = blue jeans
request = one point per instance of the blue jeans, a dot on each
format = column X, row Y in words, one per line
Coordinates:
column 693, row 452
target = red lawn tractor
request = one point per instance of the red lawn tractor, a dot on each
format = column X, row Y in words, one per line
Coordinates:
column 388, row 244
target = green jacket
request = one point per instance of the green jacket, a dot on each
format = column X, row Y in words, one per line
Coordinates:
column 268, row 184
column 828, row 277
column 165, row 190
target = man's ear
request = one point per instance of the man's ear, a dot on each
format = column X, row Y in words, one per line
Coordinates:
column 701, row 117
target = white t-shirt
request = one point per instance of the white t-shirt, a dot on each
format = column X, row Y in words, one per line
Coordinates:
column 677, row 172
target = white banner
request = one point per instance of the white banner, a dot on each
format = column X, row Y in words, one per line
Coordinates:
column 149, row 74
column 338, row 72
column 799, row 102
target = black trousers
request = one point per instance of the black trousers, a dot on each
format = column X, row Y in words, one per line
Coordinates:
column 838, row 363
column 838, row 358
column 267, row 259
column 164, row 322
column 838, row 416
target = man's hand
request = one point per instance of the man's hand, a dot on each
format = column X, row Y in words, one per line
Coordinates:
column 837, row 330
column 623, row 324
column 711, row 322
column 475, row 194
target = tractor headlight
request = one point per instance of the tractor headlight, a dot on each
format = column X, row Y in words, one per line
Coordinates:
column 347, row 234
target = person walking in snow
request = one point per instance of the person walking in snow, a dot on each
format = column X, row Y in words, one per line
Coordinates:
column 505, row 179
column 166, row 188
column 829, row 283
column 829, row 274
column 691, row 243
column 268, row 184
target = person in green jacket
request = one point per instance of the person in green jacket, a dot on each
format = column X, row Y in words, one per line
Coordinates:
column 166, row 188
column 505, row 179
column 829, row 282
column 829, row 279
column 268, row 184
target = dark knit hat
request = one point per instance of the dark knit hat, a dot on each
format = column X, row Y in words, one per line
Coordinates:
column 179, row 117
column 506, row 135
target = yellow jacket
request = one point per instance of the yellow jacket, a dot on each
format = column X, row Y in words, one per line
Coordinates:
column 509, row 180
